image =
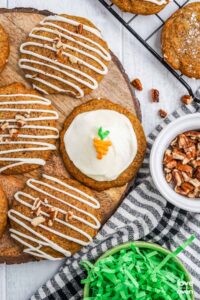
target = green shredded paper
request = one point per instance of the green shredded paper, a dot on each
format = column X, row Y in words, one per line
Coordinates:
column 139, row 274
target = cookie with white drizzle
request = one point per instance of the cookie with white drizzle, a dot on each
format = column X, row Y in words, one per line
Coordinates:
column 54, row 217
column 141, row 7
column 28, row 130
column 65, row 54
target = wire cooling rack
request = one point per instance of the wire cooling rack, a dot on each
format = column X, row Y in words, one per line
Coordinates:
column 129, row 21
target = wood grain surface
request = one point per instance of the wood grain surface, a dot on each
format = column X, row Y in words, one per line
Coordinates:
column 115, row 86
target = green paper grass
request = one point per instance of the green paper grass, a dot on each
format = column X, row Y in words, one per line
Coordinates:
column 139, row 274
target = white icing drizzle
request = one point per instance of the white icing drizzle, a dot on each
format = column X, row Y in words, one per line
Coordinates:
column 158, row 2
column 57, row 31
column 41, row 240
column 72, row 22
column 25, row 138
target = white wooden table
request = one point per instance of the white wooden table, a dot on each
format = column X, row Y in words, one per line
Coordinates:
column 19, row 282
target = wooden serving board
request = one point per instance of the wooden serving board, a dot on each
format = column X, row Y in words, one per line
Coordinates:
column 115, row 86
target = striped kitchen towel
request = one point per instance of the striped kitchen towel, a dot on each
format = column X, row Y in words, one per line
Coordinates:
column 143, row 215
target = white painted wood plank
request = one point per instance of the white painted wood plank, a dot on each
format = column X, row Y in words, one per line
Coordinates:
column 3, row 283
column 3, row 3
column 23, row 280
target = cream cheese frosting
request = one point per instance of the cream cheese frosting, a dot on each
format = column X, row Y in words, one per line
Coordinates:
column 78, row 141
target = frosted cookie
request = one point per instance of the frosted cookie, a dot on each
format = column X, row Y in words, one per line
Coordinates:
column 53, row 218
column 4, row 48
column 102, row 144
column 65, row 54
column 3, row 211
column 28, row 130
column 181, row 40
column 141, row 7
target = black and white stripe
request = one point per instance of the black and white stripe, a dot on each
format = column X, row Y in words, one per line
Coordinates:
column 144, row 214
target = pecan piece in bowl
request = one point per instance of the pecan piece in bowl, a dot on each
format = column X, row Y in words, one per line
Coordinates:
column 182, row 159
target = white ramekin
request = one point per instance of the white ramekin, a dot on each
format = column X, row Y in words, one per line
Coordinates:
column 182, row 124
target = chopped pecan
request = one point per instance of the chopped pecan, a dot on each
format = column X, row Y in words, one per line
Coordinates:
column 186, row 177
column 36, row 204
column 187, row 187
column 184, row 168
column 194, row 194
column 68, row 216
column 46, row 201
column 195, row 182
column 53, row 214
column 168, row 177
column 73, row 60
column 180, row 191
column 59, row 45
column 197, row 173
column 50, row 223
column 37, row 221
column 162, row 113
column 183, row 141
column 4, row 126
column 193, row 134
column 13, row 133
column 178, row 154
column 136, row 83
column 186, row 160
column 187, row 99
column 38, row 212
column 191, row 152
column 57, row 39
column 27, row 114
column 19, row 117
column 182, row 160
column 195, row 163
column 59, row 52
column 168, row 156
column 80, row 28
column 177, row 177
column 174, row 142
column 171, row 165
column 20, row 123
column 167, row 170
column 155, row 95
column 198, row 149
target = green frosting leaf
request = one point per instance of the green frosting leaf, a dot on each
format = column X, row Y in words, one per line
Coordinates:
column 103, row 134
column 139, row 274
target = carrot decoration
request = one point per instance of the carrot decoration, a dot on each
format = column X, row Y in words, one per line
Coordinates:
column 101, row 145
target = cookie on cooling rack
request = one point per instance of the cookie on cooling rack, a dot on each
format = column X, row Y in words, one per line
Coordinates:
column 54, row 217
column 181, row 40
column 141, row 7
column 28, row 130
column 102, row 144
column 65, row 54
column 4, row 47
column 3, row 211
